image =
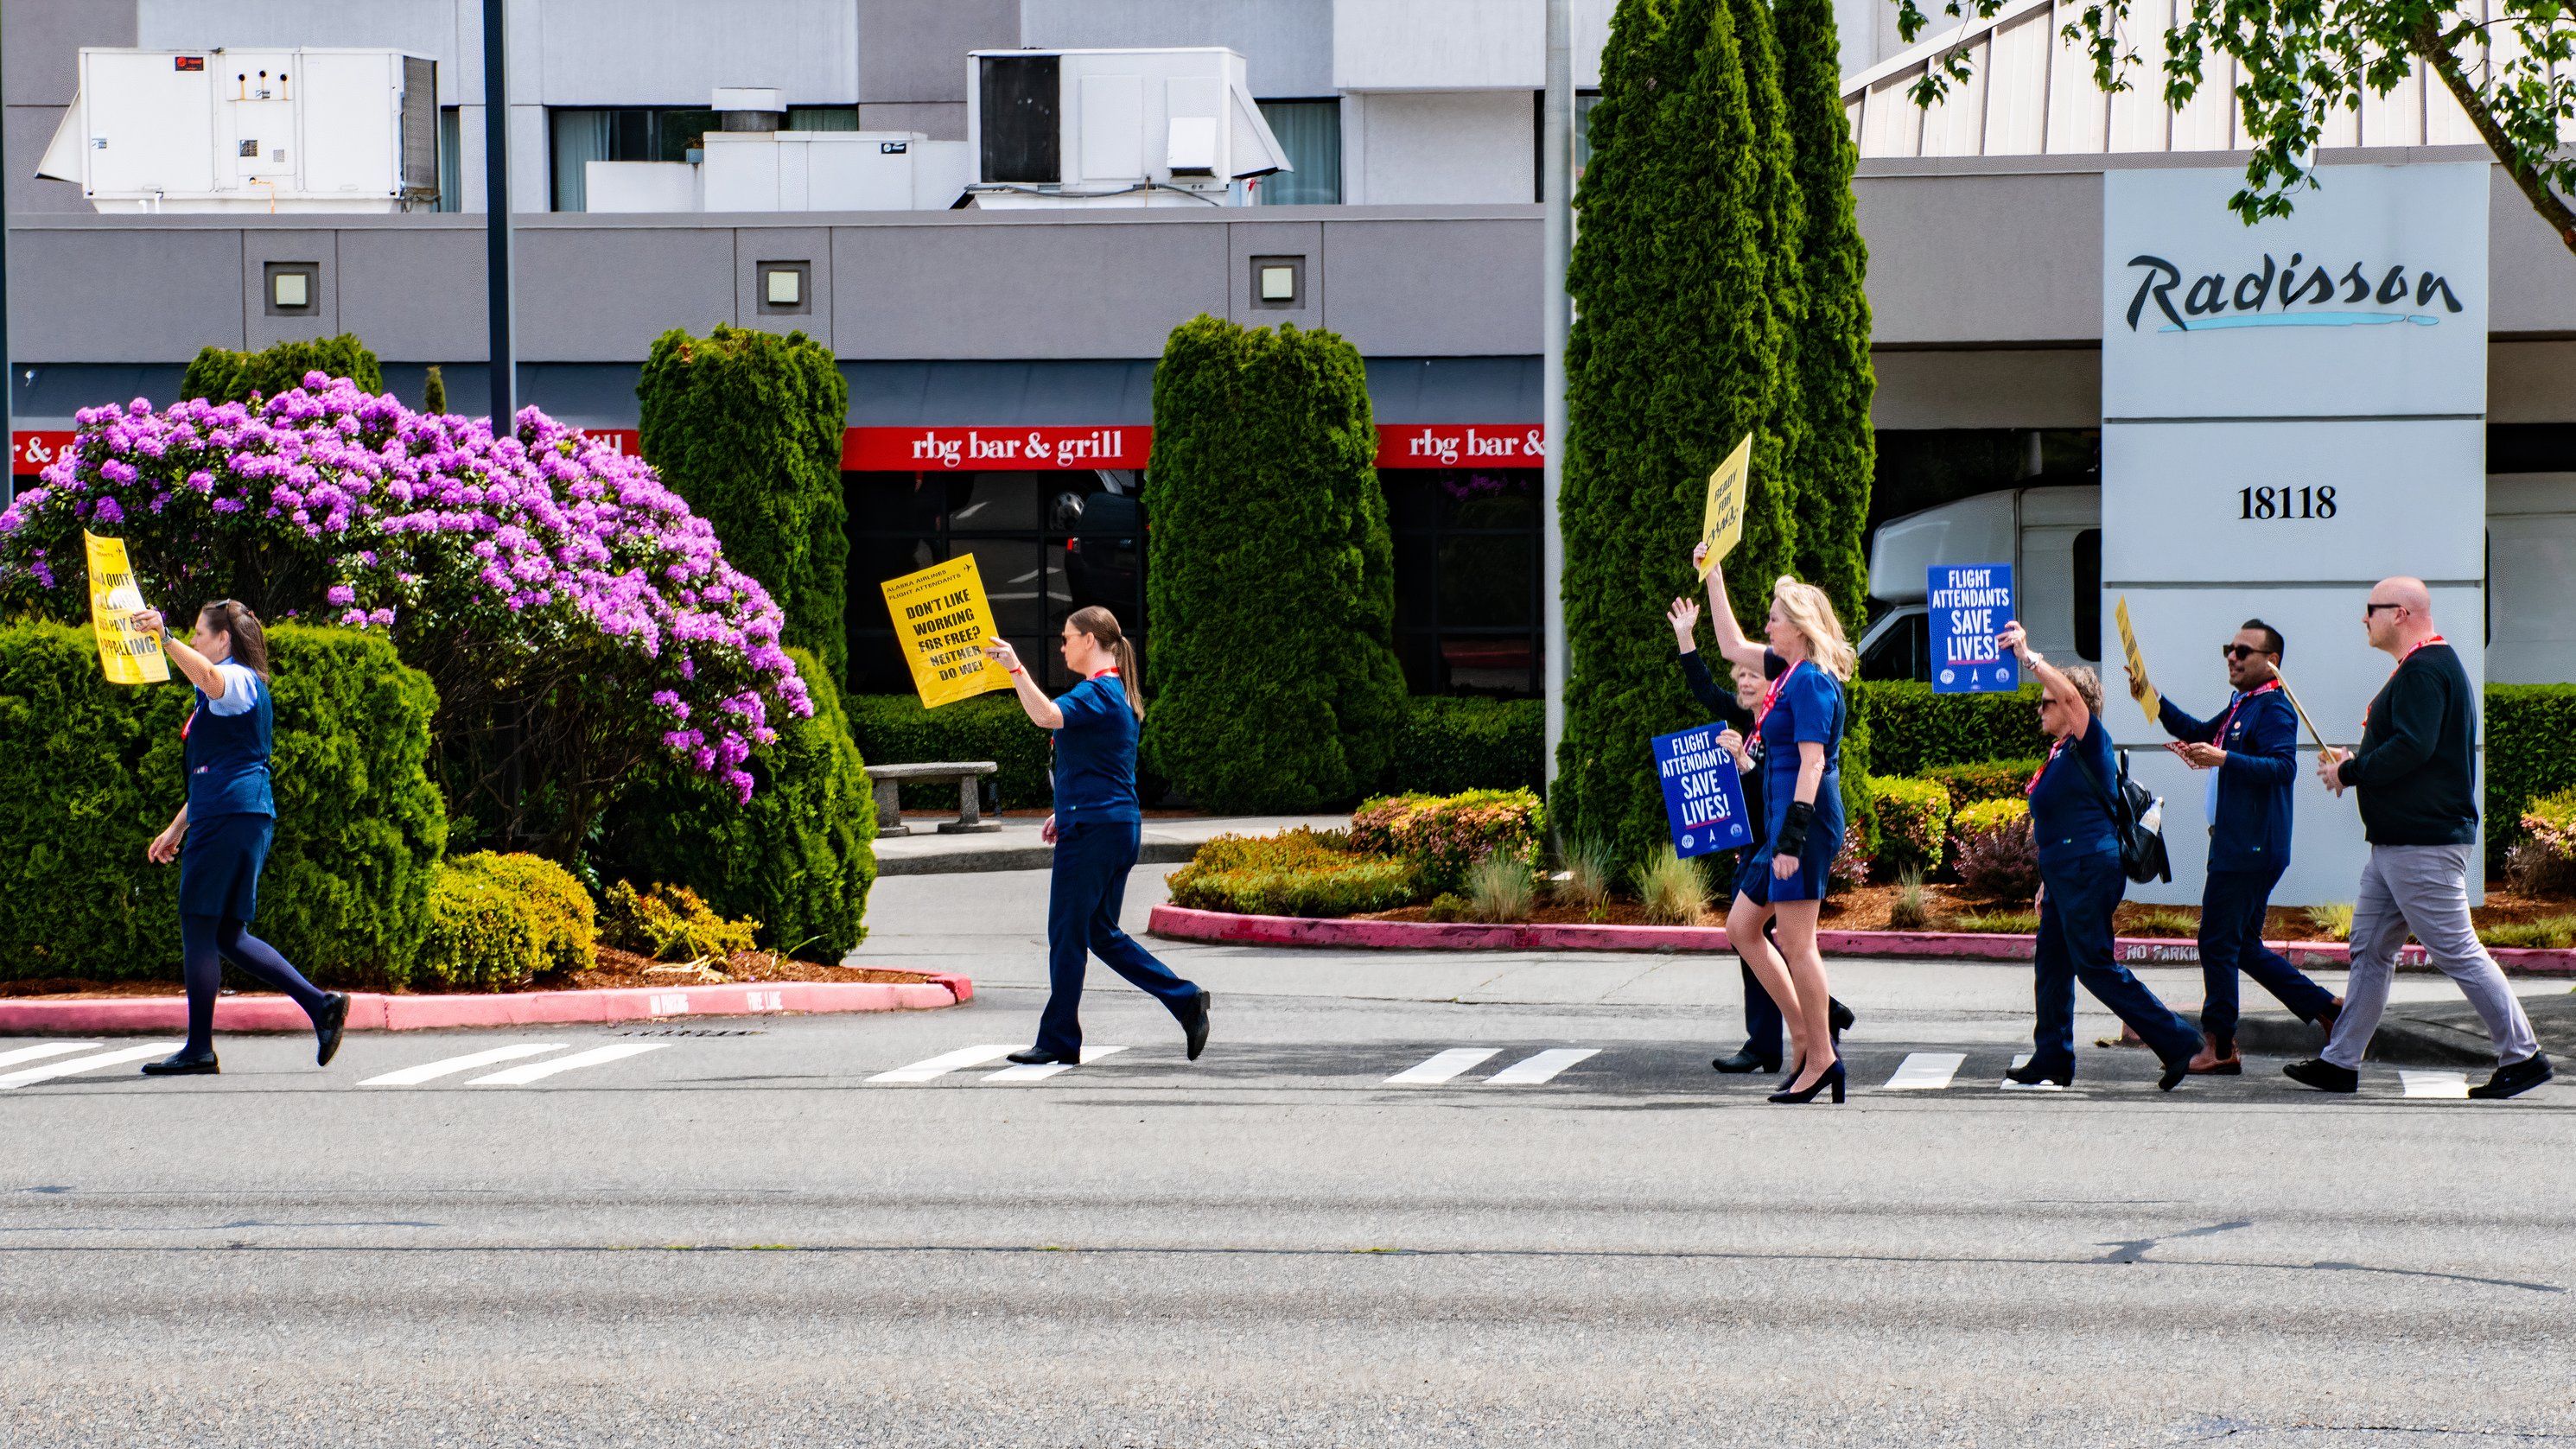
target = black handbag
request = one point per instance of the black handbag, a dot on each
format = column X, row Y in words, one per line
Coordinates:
column 2142, row 848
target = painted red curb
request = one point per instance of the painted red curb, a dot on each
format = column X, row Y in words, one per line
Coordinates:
column 373, row 1011
column 1182, row 924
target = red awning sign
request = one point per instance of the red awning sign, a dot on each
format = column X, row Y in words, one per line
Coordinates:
column 34, row 452
column 906, row 450
column 1461, row 445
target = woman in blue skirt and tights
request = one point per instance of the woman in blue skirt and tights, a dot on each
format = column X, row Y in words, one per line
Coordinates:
column 1096, row 829
column 220, row 837
column 1801, row 722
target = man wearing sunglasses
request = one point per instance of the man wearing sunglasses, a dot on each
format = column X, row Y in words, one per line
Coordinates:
column 2250, row 751
column 2417, row 774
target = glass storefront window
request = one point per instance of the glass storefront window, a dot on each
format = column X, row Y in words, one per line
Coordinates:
column 1045, row 544
column 1467, row 601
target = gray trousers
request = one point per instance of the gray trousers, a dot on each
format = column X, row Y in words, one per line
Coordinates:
column 2425, row 889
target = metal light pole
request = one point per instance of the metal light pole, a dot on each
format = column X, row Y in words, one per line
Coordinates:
column 1556, row 166
column 8, row 355
column 496, row 208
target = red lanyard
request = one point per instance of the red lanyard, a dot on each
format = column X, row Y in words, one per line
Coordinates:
column 1771, row 696
column 1110, row 673
column 2219, row 735
column 2033, row 787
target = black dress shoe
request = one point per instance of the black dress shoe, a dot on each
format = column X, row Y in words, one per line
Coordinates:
column 1195, row 1023
column 1839, row 1016
column 183, row 1065
column 1032, row 1057
column 2032, row 1074
column 2323, row 1075
column 2174, row 1073
column 2516, row 1079
column 1745, row 1063
column 327, row 1027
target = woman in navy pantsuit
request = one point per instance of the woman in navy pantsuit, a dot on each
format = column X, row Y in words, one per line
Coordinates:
column 1094, row 830
column 220, row 837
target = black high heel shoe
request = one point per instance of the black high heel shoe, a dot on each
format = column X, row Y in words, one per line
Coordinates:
column 1833, row 1077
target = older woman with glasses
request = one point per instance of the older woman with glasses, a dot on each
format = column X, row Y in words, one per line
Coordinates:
column 2076, row 825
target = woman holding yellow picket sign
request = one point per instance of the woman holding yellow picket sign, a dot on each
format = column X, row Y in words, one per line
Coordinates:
column 220, row 837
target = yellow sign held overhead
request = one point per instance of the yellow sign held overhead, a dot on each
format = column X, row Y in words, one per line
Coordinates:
column 1723, row 522
column 129, row 655
column 942, row 620
column 2142, row 691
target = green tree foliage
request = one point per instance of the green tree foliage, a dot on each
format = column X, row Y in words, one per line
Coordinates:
column 218, row 375
column 2297, row 62
column 433, row 391
column 1775, row 523
column 1836, row 452
column 1272, row 683
column 89, row 771
column 746, row 426
column 1673, row 358
column 798, row 858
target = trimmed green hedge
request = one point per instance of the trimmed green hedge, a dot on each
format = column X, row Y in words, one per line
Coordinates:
column 798, row 858
column 1448, row 745
column 481, row 937
column 220, row 375
column 1296, row 873
column 2531, row 752
column 1912, row 729
column 90, row 771
column 893, row 729
column 1446, row 835
column 1983, row 780
column 1271, row 682
column 561, row 916
column 746, row 425
column 1913, row 822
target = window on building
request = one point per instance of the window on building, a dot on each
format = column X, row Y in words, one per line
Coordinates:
column 1467, row 579
column 451, row 159
column 624, row 133
column 1311, row 133
column 2088, row 594
column 1045, row 544
column 823, row 118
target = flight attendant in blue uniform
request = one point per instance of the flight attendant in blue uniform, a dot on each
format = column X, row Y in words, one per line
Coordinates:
column 1096, row 829
column 2080, row 884
column 2251, row 751
column 220, row 837
column 1801, row 722
column 1761, row 1049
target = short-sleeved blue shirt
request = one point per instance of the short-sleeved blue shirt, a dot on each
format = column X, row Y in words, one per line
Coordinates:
column 1809, row 709
column 1095, row 754
column 2070, row 808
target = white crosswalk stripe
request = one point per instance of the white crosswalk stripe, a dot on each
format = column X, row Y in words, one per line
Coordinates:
column 46, row 1049
column 51, row 1070
column 1020, row 1076
column 1925, row 1071
column 450, row 1066
column 538, row 1071
column 944, row 1063
column 1442, row 1067
column 2435, row 1084
column 1530, row 1071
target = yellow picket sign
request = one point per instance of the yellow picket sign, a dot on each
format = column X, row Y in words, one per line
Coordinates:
column 942, row 620
column 129, row 655
column 2145, row 693
column 1722, row 523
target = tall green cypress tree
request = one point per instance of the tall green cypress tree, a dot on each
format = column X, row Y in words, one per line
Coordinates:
column 1673, row 358
column 1271, row 683
column 1839, row 452
column 1772, row 498
column 746, row 426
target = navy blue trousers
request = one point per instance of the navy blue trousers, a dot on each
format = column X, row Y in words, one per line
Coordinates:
column 1090, row 884
column 2075, row 945
column 2231, row 940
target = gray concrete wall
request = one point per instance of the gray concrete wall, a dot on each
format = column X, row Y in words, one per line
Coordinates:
column 912, row 59
column 1287, row 45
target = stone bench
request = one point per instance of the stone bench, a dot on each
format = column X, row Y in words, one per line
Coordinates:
column 889, row 780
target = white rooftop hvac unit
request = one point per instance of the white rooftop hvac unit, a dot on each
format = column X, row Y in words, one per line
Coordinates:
column 1113, row 128
column 250, row 130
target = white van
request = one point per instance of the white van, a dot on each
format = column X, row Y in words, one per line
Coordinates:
column 2053, row 538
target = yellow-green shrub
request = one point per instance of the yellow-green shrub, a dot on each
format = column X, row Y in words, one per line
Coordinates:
column 671, row 923
column 560, row 913
column 479, row 937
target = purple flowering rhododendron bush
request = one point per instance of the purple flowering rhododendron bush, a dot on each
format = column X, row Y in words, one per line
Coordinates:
column 576, row 618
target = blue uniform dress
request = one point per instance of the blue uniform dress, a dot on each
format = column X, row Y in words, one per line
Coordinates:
column 2248, row 804
column 232, row 818
column 1809, row 708
column 2079, row 864
column 1098, row 825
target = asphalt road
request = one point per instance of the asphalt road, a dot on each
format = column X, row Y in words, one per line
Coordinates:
column 730, row 1235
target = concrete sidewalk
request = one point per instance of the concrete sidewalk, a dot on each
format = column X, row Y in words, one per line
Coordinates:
column 2443, row 1032
column 1016, row 845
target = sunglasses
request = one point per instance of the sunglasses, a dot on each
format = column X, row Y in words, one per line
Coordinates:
column 2375, row 608
column 2239, row 651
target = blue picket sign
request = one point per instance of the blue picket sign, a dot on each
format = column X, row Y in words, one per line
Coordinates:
column 1703, row 795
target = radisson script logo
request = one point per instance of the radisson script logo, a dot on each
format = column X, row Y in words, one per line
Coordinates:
column 2283, row 296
